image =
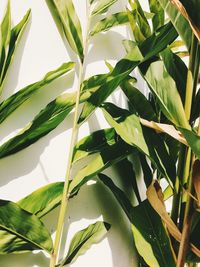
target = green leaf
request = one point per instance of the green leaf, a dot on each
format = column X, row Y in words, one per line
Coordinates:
column 47, row 120
column 102, row 6
column 151, row 239
column 16, row 33
column 159, row 15
column 177, row 70
column 17, row 99
column 191, row 257
column 70, row 23
column 94, row 143
column 164, row 87
column 180, row 23
column 141, row 18
column 5, row 32
column 192, row 8
column 84, row 239
column 128, row 127
column 150, row 47
column 109, row 22
column 138, row 101
column 24, row 226
column 40, row 202
column 193, row 140
column 104, row 158
column 196, row 107
column 43, row 200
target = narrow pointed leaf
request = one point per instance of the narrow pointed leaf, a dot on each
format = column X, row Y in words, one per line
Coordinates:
column 17, row 99
column 23, row 225
column 141, row 18
column 102, row 6
column 159, row 15
column 47, row 120
column 16, row 33
column 70, row 23
column 164, row 87
column 84, row 239
column 5, row 31
column 180, row 23
column 153, row 245
column 150, row 47
column 6, row 28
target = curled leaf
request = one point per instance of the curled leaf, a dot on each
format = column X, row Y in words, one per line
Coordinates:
column 156, row 199
column 165, row 128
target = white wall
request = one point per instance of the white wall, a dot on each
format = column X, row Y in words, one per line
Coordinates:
column 41, row 49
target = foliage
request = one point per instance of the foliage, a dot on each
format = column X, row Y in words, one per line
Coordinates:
column 161, row 131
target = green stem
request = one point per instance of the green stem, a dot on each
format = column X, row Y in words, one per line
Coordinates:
column 190, row 88
column 75, row 128
column 177, row 193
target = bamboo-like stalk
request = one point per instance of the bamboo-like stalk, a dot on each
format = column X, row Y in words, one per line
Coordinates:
column 190, row 88
column 75, row 128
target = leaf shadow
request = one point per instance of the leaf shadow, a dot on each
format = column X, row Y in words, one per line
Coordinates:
column 96, row 53
column 30, row 108
column 23, row 162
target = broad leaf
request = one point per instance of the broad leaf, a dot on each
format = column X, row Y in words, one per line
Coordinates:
column 150, row 47
column 153, row 245
column 23, row 226
column 84, row 239
column 128, row 127
column 43, row 200
column 69, row 20
column 164, row 87
column 177, row 70
column 16, row 33
column 180, row 23
column 13, row 102
column 47, row 120
column 102, row 6
column 40, row 202
column 138, row 101
column 159, row 15
column 109, row 22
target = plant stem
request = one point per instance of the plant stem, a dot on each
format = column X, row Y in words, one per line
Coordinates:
column 190, row 88
column 75, row 128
